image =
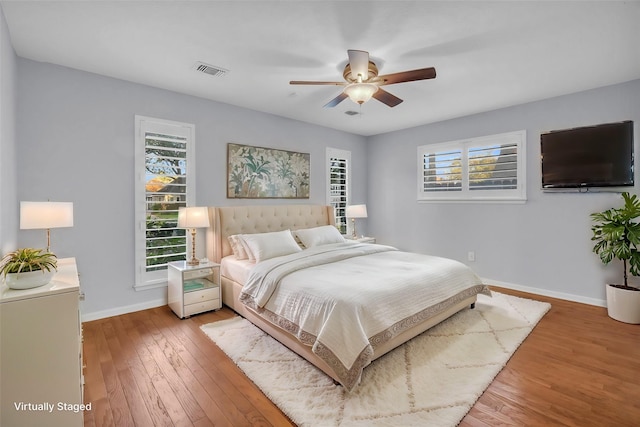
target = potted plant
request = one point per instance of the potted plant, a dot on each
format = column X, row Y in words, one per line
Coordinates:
column 616, row 234
column 28, row 268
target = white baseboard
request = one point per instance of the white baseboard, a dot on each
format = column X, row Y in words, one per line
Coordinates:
column 547, row 293
column 87, row 317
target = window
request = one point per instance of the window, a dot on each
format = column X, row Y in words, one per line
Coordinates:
column 165, row 172
column 338, row 163
column 489, row 168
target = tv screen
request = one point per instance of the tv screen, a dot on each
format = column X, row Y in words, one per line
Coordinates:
column 592, row 156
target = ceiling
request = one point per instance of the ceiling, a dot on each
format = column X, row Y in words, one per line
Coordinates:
column 488, row 55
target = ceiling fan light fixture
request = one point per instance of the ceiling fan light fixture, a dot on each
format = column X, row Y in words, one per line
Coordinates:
column 360, row 92
column 363, row 81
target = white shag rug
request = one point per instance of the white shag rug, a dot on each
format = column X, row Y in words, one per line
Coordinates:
column 432, row 380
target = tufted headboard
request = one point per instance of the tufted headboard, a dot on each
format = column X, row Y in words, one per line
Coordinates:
column 230, row 220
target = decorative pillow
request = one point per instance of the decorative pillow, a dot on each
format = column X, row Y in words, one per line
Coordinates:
column 237, row 247
column 317, row 236
column 269, row 245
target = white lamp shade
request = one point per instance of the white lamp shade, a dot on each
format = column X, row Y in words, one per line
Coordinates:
column 193, row 217
column 40, row 215
column 356, row 211
column 360, row 92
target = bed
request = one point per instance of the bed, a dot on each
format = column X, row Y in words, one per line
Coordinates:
column 339, row 335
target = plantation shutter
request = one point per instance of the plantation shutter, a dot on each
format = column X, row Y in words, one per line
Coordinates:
column 442, row 171
column 165, row 192
column 338, row 194
column 493, row 167
column 165, row 176
column 488, row 168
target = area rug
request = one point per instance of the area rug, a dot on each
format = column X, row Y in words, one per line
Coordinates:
column 432, row 380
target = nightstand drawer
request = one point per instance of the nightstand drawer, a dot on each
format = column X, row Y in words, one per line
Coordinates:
column 200, row 296
column 200, row 307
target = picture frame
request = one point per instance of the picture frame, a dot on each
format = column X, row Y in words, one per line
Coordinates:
column 266, row 173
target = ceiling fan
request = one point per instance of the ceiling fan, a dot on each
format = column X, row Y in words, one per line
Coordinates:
column 363, row 82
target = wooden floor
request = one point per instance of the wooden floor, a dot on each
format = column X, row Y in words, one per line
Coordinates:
column 577, row 368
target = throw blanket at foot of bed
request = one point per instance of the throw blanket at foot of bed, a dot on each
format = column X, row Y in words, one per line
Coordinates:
column 345, row 299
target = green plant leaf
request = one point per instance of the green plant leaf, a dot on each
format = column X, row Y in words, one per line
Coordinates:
column 27, row 259
column 616, row 233
column 633, row 233
column 621, row 251
column 634, row 263
column 606, row 256
column 631, row 205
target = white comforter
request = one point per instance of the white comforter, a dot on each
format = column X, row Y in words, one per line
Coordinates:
column 346, row 298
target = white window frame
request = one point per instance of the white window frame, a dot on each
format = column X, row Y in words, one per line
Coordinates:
column 336, row 153
column 143, row 125
column 465, row 194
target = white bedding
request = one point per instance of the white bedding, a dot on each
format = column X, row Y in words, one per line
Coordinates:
column 344, row 299
column 236, row 269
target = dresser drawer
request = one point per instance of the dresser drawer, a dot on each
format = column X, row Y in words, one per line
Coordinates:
column 201, row 296
column 200, row 307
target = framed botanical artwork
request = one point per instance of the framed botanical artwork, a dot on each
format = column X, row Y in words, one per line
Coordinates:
column 266, row 173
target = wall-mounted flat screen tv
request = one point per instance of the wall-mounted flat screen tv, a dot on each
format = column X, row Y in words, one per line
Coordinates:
column 591, row 156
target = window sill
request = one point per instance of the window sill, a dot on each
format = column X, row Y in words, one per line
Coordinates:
column 488, row 201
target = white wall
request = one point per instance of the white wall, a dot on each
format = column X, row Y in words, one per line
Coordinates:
column 75, row 143
column 8, row 174
column 543, row 244
column 76, row 134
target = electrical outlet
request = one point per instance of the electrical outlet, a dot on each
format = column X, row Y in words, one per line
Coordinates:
column 471, row 256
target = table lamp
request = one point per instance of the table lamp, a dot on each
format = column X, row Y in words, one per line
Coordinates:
column 353, row 212
column 192, row 218
column 46, row 215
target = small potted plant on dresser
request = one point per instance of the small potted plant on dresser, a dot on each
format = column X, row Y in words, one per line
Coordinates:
column 28, row 268
column 616, row 233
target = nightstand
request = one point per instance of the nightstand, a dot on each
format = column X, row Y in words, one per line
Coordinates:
column 363, row 239
column 193, row 289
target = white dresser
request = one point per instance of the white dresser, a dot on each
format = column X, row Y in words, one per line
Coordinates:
column 41, row 352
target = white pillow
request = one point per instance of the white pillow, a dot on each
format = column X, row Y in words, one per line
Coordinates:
column 237, row 247
column 269, row 245
column 246, row 247
column 317, row 236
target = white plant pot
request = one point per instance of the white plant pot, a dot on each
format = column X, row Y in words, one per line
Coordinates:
column 28, row 279
column 623, row 305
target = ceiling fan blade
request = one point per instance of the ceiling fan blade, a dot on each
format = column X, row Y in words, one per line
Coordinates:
column 387, row 98
column 302, row 82
column 335, row 101
column 359, row 62
column 407, row 76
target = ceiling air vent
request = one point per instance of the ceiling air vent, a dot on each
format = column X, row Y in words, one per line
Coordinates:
column 210, row 69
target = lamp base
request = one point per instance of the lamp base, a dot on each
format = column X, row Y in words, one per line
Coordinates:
column 193, row 260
